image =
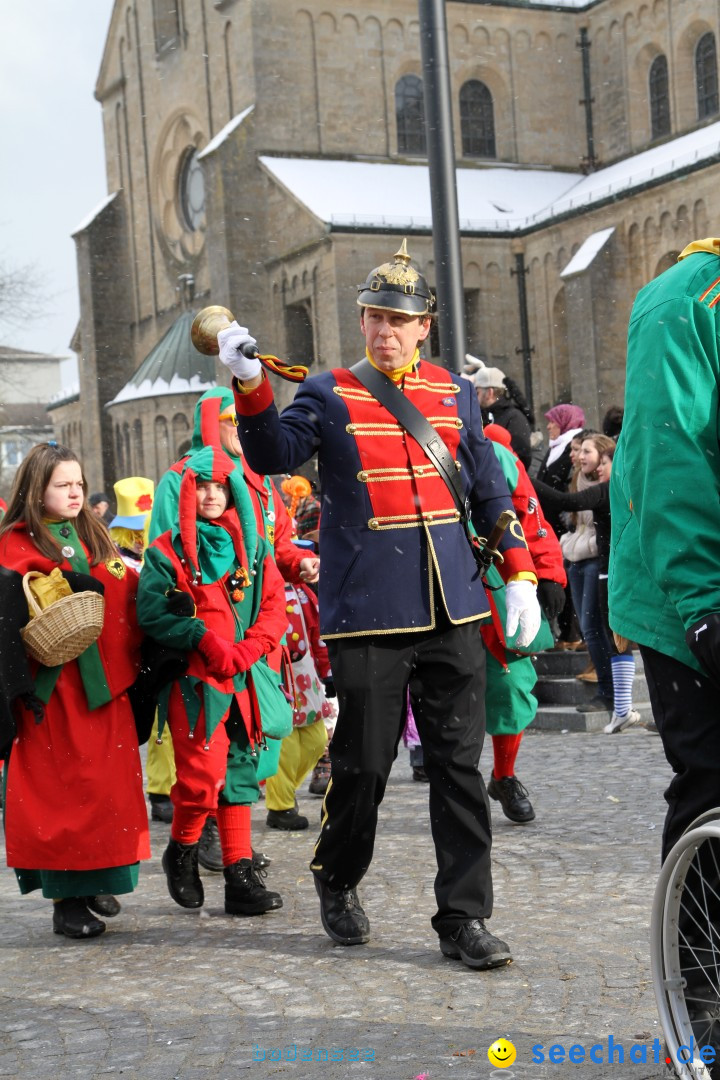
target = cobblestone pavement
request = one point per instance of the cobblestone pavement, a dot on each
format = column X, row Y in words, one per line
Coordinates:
column 167, row 993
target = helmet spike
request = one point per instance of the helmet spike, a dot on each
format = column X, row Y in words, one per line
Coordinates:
column 402, row 254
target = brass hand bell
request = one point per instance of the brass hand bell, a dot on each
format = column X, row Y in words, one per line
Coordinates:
column 206, row 326
column 208, row 323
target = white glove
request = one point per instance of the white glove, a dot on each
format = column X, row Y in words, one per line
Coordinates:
column 523, row 609
column 231, row 342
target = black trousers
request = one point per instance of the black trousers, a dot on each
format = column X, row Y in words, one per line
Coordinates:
column 686, row 707
column 444, row 670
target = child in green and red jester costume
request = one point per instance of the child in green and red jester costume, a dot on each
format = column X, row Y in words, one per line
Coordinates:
column 231, row 624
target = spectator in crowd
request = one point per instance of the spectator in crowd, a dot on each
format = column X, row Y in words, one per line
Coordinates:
column 99, row 503
column 564, row 424
column 501, row 402
column 581, row 548
column 595, row 499
column 612, row 422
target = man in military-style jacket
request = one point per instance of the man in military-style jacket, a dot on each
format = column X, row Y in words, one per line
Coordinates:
column 400, row 599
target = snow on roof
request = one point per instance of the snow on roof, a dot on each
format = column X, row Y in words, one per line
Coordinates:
column 661, row 161
column 160, row 387
column 222, row 135
column 587, row 252
column 364, row 194
column 491, row 198
column 65, row 395
column 95, row 213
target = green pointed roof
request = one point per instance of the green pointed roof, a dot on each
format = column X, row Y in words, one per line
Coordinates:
column 173, row 366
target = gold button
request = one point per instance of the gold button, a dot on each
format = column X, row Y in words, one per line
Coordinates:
column 362, row 476
column 458, row 423
column 350, row 429
column 374, row 523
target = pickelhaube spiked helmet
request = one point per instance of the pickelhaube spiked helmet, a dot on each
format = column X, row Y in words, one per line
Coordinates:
column 397, row 286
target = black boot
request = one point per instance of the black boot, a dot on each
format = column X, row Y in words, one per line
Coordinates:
column 180, row 863
column 161, row 808
column 245, row 892
column 288, row 820
column 72, row 918
column 209, row 849
column 104, row 904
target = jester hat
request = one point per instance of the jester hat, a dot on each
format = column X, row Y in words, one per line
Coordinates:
column 206, row 421
column 238, row 520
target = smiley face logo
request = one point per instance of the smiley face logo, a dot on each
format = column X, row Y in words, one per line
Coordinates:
column 502, row 1053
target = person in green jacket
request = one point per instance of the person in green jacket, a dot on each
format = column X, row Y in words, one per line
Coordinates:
column 664, row 576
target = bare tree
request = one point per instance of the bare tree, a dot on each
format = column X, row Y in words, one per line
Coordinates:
column 22, row 294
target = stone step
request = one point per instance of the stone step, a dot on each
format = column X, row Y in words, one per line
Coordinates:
column 556, row 691
column 562, row 718
column 569, row 663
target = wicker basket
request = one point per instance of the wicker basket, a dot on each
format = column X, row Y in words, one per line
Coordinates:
column 59, row 633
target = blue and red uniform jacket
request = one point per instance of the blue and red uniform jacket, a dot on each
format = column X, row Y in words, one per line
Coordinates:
column 392, row 547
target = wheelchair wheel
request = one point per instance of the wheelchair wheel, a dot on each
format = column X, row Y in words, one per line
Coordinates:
column 685, row 947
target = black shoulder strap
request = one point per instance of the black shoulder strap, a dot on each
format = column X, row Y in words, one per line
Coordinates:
column 410, row 418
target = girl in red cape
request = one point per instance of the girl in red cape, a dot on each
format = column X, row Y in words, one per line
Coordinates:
column 75, row 819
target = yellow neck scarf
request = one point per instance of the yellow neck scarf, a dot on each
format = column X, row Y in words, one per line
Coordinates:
column 712, row 244
column 399, row 374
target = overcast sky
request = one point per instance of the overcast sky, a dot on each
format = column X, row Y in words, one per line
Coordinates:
column 53, row 171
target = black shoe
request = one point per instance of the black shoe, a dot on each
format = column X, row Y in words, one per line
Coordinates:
column 260, row 860
column 476, row 946
column 289, row 820
column 105, row 904
column 513, row 798
column 596, row 704
column 342, row 915
column 72, row 918
column 321, row 776
column 180, row 863
column 245, row 892
column 209, row 849
column 161, row 808
column 420, row 775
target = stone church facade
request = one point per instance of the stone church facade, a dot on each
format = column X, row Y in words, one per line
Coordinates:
column 265, row 154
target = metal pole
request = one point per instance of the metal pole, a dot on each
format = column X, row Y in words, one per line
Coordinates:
column 443, row 193
column 590, row 161
column 526, row 348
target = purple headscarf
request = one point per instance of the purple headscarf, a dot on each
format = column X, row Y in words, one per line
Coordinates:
column 567, row 417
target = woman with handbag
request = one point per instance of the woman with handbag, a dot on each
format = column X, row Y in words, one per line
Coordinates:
column 587, row 559
column 221, row 709
column 75, row 820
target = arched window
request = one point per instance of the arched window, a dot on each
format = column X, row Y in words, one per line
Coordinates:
column 706, row 77
column 659, row 97
column 166, row 16
column 477, row 121
column 138, row 448
column 410, row 115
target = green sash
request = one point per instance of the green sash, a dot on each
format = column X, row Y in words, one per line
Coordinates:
column 91, row 667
